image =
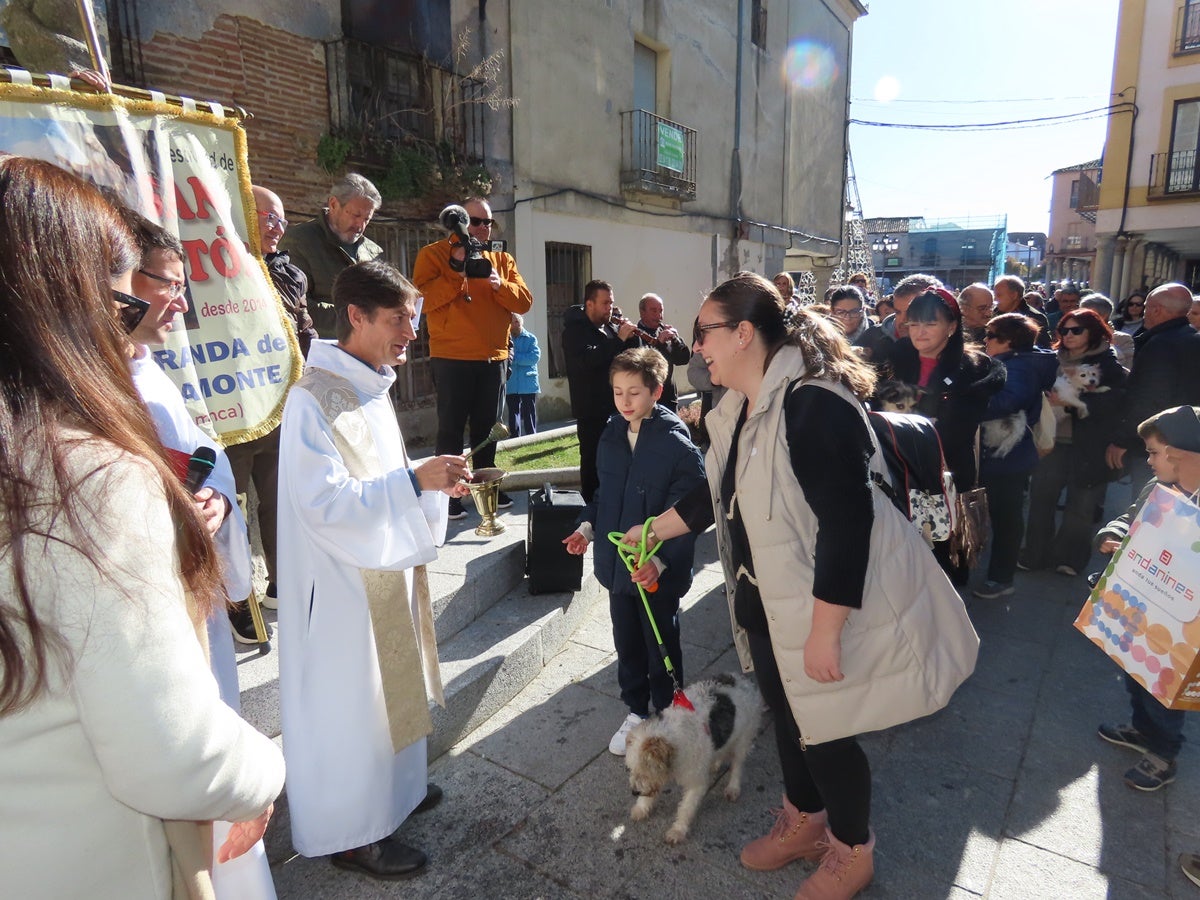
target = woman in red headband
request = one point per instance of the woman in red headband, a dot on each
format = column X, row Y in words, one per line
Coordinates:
column 954, row 382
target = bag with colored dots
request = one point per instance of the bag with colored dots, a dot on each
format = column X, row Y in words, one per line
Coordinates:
column 1144, row 612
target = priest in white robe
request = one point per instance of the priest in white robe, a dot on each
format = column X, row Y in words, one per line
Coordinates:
column 357, row 524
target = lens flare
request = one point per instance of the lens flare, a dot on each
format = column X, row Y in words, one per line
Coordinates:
column 887, row 89
column 810, row 65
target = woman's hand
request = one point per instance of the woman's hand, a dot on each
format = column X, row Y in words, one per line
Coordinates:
column 1109, row 546
column 244, row 835
column 823, row 649
column 633, row 537
column 823, row 657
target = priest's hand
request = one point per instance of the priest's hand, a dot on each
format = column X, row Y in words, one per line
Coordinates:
column 213, row 508
column 443, row 473
column 243, row 836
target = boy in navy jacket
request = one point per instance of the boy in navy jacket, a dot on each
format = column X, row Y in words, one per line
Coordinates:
column 646, row 462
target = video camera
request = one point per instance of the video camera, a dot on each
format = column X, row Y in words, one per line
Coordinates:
column 454, row 219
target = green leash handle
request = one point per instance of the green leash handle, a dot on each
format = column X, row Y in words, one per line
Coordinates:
column 628, row 555
column 633, row 557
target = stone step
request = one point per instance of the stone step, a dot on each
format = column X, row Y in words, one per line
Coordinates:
column 490, row 661
column 483, row 614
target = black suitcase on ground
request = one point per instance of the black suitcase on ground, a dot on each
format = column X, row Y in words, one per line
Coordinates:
column 552, row 516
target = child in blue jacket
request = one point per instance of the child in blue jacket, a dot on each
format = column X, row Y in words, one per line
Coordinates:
column 522, row 389
column 646, row 461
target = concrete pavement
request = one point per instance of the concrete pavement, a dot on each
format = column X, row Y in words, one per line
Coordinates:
column 1006, row 794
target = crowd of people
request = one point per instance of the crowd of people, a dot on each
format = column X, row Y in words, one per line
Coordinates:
column 119, row 713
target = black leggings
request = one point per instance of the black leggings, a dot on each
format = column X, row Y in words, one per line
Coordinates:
column 834, row 776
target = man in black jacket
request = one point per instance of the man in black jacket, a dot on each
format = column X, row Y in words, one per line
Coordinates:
column 590, row 342
column 258, row 460
column 1165, row 373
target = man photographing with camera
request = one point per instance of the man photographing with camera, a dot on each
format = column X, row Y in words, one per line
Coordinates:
column 468, row 316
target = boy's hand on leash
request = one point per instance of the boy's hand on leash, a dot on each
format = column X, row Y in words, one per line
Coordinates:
column 576, row 543
column 646, row 575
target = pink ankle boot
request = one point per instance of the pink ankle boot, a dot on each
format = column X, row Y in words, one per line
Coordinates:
column 843, row 872
column 795, row 835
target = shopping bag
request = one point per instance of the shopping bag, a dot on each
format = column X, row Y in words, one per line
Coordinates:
column 1145, row 610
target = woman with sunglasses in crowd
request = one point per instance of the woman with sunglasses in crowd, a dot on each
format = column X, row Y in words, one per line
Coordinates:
column 838, row 606
column 954, row 382
column 1129, row 316
column 1009, row 455
column 116, row 751
column 1076, row 464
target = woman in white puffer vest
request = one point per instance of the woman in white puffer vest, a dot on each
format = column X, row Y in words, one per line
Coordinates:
column 837, row 604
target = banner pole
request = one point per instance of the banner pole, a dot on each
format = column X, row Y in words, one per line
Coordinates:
column 88, row 18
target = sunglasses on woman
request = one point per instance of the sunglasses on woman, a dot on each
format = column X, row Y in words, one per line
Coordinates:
column 1071, row 329
column 130, row 309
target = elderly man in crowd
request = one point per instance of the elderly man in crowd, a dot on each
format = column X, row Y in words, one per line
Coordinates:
column 895, row 326
column 1010, row 297
column 977, row 304
column 666, row 340
column 1165, row 373
column 335, row 239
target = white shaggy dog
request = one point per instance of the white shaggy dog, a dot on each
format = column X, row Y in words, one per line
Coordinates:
column 686, row 746
column 1073, row 382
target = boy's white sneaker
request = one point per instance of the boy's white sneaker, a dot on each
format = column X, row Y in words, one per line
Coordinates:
column 617, row 745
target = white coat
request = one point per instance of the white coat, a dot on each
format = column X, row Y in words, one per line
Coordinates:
column 132, row 730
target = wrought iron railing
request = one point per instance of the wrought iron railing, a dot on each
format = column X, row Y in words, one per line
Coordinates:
column 380, row 97
column 658, row 156
column 1174, row 174
column 1187, row 27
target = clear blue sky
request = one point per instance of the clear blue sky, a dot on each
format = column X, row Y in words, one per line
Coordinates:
column 1024, row 58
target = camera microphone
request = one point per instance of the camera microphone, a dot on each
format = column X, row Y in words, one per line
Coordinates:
column 199, row 467
column 454, row 219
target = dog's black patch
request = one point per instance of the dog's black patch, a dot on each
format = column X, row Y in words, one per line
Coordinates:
column 724, row 679
column 720, row 719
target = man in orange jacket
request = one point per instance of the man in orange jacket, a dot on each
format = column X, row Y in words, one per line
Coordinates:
column 468, row 321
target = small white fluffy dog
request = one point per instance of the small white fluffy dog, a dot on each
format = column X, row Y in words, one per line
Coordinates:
column 1072, row 383
column 687, row 746
column 1001, row 435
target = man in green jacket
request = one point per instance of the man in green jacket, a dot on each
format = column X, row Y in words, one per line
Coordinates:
column 334, row 241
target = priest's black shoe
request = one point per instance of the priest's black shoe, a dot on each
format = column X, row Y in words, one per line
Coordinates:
column 386, row 859
column 433, row 796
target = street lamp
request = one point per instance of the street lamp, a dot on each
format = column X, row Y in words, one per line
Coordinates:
column 1031, row 243
column 885, row 244
column 968, row 253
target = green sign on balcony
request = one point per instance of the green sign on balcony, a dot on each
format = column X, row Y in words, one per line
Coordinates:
column 670, row 147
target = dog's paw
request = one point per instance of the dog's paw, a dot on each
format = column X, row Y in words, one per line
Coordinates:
column 676, row 835
column 732, row 792
column 640, row 811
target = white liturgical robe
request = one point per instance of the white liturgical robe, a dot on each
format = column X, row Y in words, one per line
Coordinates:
column 346, row 785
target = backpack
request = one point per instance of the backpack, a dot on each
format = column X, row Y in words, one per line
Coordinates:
column 920, row 485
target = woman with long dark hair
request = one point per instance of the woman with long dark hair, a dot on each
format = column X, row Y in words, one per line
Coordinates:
column 1076, row 464
column 114, row 742
column 823, row 574
column 1130, row 313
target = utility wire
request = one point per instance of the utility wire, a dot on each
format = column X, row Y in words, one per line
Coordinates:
column 1080, row 116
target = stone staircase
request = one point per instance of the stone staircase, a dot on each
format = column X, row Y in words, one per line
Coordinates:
column 494, row 637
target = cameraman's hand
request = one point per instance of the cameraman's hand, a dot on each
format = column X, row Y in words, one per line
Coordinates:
column 494, row 281
column 458, row 251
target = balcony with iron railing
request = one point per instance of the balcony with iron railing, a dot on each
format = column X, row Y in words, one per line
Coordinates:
column 1187, row 28
column 384, row 100
column 1175, row 174
column 658, row 156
